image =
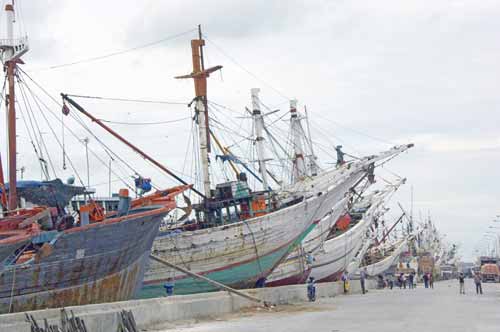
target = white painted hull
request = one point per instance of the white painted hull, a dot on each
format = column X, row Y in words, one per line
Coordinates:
column 296, row 268
column 338, row 252
column 238, row 254
column 239, row 247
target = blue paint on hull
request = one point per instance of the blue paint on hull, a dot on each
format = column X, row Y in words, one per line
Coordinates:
column 240, row 276
column 95, row 265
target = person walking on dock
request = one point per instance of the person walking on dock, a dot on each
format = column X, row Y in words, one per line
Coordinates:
column 410, row 281
column 345, row 279
column 362, row 277
column 461, row 280
column 426, row 280
column 390, row 281
column 477, row 281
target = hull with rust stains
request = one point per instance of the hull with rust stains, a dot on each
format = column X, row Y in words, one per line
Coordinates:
column 101, row 263
column 241, row 253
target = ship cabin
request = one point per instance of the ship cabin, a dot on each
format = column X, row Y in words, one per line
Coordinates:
column 233, row 201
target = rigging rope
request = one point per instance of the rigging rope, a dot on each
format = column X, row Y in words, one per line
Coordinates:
column 120, row 52
column 145, row 123
column 233, row 60
column 41, row 142
column 78, row 120
column 128, row 100
column 69, row 129
column 38, row 102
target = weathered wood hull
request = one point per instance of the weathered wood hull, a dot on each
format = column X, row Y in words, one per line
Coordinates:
column 236, row 254
column 91, row 264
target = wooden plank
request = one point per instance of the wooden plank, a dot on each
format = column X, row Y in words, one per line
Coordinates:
column 213, row 282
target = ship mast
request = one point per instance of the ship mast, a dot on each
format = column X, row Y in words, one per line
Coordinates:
column 312, row 158
column 299, row 167
column 12, row 50
column 259, row 139
column 199, row 76
column 3, row 196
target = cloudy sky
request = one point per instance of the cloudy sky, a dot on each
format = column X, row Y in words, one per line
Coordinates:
column 372, row 74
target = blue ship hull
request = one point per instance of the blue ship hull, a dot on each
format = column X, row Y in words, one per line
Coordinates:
column 102, row 262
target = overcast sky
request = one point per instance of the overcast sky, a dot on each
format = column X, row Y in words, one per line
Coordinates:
column 372, row 74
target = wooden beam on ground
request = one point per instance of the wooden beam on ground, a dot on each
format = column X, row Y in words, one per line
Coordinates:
column 210, row 281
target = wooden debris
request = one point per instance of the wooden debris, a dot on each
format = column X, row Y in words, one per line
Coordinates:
column 73, row 324
column 126, row 322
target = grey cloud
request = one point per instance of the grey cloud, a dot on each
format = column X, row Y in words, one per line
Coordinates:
column 224, row 19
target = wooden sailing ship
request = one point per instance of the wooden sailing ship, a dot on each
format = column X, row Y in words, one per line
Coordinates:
column 379, row 259
column 343, row 246
column 51, row 258
column 239, row 236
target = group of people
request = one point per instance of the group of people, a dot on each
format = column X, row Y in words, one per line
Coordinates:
column 403, row 280
column 477, row 282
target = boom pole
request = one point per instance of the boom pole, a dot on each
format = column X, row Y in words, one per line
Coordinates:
column 392, row 227
column 123, row 140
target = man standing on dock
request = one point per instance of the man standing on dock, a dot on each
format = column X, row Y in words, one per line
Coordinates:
column 362, row 277
column 461, row 280
column 426, row 280
column 477, row 282
column 410, row 280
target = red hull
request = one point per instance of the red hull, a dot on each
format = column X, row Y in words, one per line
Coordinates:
column 334, row 277
column 293, row 280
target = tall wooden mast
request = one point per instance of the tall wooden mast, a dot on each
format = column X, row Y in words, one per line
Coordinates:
column 3, row 196
column 12, row 50
column 11, row 129
column 199, row 76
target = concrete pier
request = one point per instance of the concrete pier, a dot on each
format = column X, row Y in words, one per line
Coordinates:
column 152, row 314
column 438, row 309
